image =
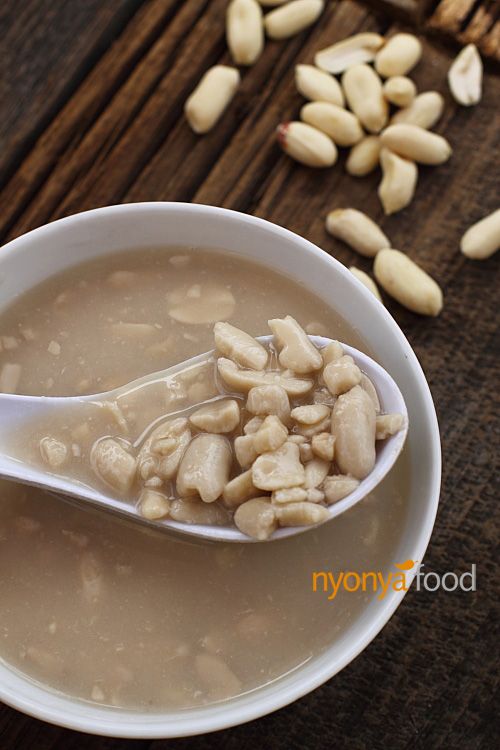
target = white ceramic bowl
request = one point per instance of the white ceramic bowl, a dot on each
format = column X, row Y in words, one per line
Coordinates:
column 39, row 254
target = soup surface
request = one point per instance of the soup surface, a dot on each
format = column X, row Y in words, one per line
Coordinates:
column 126, row 616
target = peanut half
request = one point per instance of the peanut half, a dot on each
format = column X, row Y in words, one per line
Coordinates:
column 306, row 144
column 244, row 31
column 364, row 94
column 424, row 111
column 482, row 239
column 339, row 124
column 364, row 156
column 465, row 76
column 404, row 280
column 211, row 97
column 357, row 230
column 417, row 144
column 357, row 49
column 398, row 56
column 317, row 86
column 292, row 18
column 398, row 182
column 400, row 91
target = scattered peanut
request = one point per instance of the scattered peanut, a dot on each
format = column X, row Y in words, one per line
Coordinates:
column 211, row 97
column 400, row 91
column 357, row 230
column 340, row 125
column 293, row 17
column 245, row 31
column 364, row 156
column 482, row 239
column 364, row 94
column 417, row 144
column 465, row 76
column 317, row 86
column 398, row 56
column 366, row 280
column 408, row 283
column 361, row 48
column 424, row 111
column 306, row 144
column 399, row 181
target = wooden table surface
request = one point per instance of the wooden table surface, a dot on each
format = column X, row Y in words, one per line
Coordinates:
column 91, row 95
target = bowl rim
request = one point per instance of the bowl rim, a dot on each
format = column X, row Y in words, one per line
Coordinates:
column 249, row 706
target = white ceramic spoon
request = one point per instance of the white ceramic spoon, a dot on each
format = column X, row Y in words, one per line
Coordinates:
column 18, row 412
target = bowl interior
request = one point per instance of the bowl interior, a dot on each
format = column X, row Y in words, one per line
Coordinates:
column 36, row 256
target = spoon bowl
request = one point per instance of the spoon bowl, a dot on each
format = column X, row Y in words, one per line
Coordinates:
column 18, row 412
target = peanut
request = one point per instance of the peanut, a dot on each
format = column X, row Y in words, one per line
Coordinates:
column 353, row 426
column 317, row 86
column 416, row 144
column 424, row 111
column 398, row 182
column 364, row 94
column 400, row 91
column 340, row 125
column 244, row 31
column 307, row 145
column 408, row 283
column 211, row 97
column 398, row 56
column 293, row 17
column 239, row 346
column 256, row 518
column 357, row 230
column 482, row 239
column 357, row 49
column 465, row 76
column 364, row 156
column 366, row 280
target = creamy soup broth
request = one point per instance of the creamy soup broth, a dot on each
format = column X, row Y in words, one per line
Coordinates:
column 126, row 616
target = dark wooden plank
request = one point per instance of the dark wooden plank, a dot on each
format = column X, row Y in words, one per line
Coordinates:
column 45, row 49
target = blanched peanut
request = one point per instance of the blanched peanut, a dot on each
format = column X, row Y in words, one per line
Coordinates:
column 398, row 183
column 240, row 346
column 367, row 385
column 167, row 465
column 113, row 464
column 364, row 156
column 338, row 486
column 253, row 424
column 200, row 304
column 465, row 76
column 244, row 450
column 301, row 514
column 306, row 144
column 314, row 495
column 339, row 124
column 297, row 353
column 309, row 430
column 279, row 469
column 256, row 518
column 482, row 239
column 210, row 98
column 424, row 111
column 357, row 230
column 332, row 352
column 245, row 380
column 357, row 49
column 220, row 681
column 417, row 144
column 305, row 451
column 400, row 91
column 323, row 445
column 341, row 376
column 353, row 425
column 53, row 452
column 291, row 495
column 310, row 414
column 388, row 424
column 239, row 489
column 271, row 435
column 316, row 472
column 269, row 399
column 218, row 417
column 398, row 56
column 205, row 467
column 363, row 91
column 318, row 86
column 292, row 18
column 244, row 31
column 194, row 511
column 408, row 283
column 153, row 505
column 366, row 280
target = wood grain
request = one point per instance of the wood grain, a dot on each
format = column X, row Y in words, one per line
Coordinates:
column 92, row 101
